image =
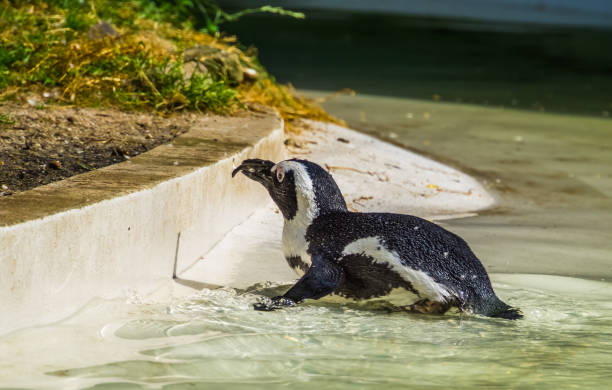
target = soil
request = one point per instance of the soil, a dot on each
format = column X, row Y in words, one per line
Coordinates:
column 40, row 146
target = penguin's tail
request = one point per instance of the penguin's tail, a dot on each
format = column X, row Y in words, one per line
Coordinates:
column 494, row 307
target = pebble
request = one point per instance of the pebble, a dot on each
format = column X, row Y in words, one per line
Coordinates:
column 250, row 73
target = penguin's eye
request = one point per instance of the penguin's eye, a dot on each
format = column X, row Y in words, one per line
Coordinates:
column 280, row 174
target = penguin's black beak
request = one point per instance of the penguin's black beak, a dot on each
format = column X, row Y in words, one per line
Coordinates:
column 258, row 170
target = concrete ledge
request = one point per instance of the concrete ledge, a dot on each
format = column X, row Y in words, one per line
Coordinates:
column 130, row 225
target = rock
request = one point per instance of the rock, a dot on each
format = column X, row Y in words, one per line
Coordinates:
column 102, row 30
column 250, row 74
column 55, row 164
column 156, row 43
column 216, row 61
column 193, row 67
column 33, row 101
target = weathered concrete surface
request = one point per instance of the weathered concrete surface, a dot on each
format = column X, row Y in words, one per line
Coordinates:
column 122, row 227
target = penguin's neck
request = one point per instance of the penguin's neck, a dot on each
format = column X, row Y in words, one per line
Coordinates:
column 294, row 229
column 306, row 212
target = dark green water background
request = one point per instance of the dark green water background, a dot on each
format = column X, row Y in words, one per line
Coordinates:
column 524, row 66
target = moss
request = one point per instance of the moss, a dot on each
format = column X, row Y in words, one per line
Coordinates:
column 129, row 54
column 6, row 119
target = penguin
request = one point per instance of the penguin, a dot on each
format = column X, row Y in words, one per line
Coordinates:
column 362, row 256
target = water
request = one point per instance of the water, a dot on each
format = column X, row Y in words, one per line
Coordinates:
column 215, row 340
column 551, row 68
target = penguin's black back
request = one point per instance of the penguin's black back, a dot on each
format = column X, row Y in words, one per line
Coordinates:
column 421, row 245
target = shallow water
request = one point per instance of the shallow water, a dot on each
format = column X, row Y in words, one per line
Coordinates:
column 216, row 340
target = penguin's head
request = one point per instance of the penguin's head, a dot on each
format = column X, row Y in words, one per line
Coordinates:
column 298, row 187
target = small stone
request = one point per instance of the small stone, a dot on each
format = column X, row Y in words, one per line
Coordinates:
column 102, row 30
column 293, row 143
column 55, row 164
column 136, row 139
column 217, row 61
column 250, row 74
column 192, row 68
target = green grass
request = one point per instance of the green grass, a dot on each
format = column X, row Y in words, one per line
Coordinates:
column 46, row 48
column 6, row 119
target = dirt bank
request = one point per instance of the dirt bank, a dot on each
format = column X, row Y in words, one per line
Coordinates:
column 40, row 146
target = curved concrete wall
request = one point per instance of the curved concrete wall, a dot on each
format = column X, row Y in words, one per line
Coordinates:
column 129, row 226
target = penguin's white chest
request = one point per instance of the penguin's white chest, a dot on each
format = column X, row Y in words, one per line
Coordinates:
column 294, row 244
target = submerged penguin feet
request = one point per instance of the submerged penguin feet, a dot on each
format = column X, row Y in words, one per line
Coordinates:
column 426, row 306
column 271, row 304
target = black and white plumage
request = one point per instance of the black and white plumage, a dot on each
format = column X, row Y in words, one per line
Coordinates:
column 367, row 255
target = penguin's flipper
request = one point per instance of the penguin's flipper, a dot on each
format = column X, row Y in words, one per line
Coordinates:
column 323, row 277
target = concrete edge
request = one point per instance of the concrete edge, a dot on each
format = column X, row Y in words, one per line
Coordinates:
column 52, row 265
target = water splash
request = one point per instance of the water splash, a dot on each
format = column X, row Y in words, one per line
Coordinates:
column 215, row 339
